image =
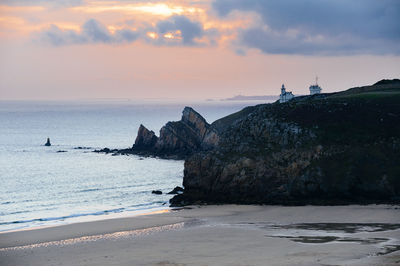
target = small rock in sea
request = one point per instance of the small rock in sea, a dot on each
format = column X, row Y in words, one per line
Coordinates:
column 48, row 142
column 176, row 190
column 61, row 151
column 105, row 150
column 82, row 148
column 157, row 192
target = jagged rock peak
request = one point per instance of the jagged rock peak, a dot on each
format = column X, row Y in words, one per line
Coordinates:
column 194, row 119
column 179, row 138
column 190, row 115
column 145, row 137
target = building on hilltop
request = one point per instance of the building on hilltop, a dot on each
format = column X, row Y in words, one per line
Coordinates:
column 315, row 89
column 285, row 95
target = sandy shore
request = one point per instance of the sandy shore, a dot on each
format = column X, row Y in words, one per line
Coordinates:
column 218, row 235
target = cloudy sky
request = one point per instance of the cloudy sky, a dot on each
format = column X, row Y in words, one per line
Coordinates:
column 86, row 49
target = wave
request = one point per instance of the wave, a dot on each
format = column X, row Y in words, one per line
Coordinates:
column 10, row 202
column 135, row 207
column 63, row 217
column 90, row 190
column 15, row 212
column 111, row 188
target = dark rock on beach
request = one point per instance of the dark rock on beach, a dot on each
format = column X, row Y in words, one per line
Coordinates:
column 157, row 192
column 335, row 148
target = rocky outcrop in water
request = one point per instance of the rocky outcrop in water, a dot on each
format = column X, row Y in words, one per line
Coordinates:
column 323, row 149
column 177, row 139
column 47, row 142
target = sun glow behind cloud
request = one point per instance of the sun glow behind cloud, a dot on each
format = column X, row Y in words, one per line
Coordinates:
column 173, row 35
column 152, row 35
column 140, row 16
column 157, row 9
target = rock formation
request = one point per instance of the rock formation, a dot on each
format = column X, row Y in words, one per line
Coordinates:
column 323, row 149
column 178, row 139
column 145, row 138
column 176, row 191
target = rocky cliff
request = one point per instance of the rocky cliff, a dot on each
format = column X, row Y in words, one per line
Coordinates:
column 177, row 139
column 328, row 148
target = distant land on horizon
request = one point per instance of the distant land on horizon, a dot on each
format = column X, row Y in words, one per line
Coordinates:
column 252, row 98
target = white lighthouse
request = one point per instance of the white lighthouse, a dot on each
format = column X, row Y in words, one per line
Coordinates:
column 285, row 95
column 315, row 89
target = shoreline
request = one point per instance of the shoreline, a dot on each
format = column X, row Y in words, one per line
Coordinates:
column 249, row 234
column 90, row 218
column 99, row 225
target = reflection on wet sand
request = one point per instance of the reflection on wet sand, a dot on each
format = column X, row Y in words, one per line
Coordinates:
column 325, row 233
column 349, row 228
column 339, row 233
column 327, row 239
column 116, row 235
column 305, row 233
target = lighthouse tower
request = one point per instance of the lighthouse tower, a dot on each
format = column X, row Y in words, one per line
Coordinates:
column 315, row 89
column 285, row 95
column 283, row 89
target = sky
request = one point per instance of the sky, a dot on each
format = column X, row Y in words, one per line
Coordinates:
column 193, row 49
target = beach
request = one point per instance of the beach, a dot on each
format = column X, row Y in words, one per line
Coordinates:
column 218, row 235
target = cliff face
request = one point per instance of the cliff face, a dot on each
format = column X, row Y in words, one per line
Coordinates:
column 178, row 139
column 328, row 148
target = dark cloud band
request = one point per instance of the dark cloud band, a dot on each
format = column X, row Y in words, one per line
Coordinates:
column 319, row 26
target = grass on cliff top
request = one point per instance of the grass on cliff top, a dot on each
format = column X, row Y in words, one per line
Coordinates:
column 374, row 94
column 222, row 123
column 370, row 92
column 383, row 92
column 362, row 114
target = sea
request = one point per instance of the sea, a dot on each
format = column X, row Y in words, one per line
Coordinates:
column 68, row 182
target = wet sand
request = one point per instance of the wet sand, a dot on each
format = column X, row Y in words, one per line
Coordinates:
column 218, row 235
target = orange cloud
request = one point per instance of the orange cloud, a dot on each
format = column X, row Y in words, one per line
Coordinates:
column 115, row 14
column 156, row 9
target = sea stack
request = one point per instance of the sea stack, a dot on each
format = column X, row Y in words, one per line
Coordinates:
column 178, row 138
column 47, row 142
